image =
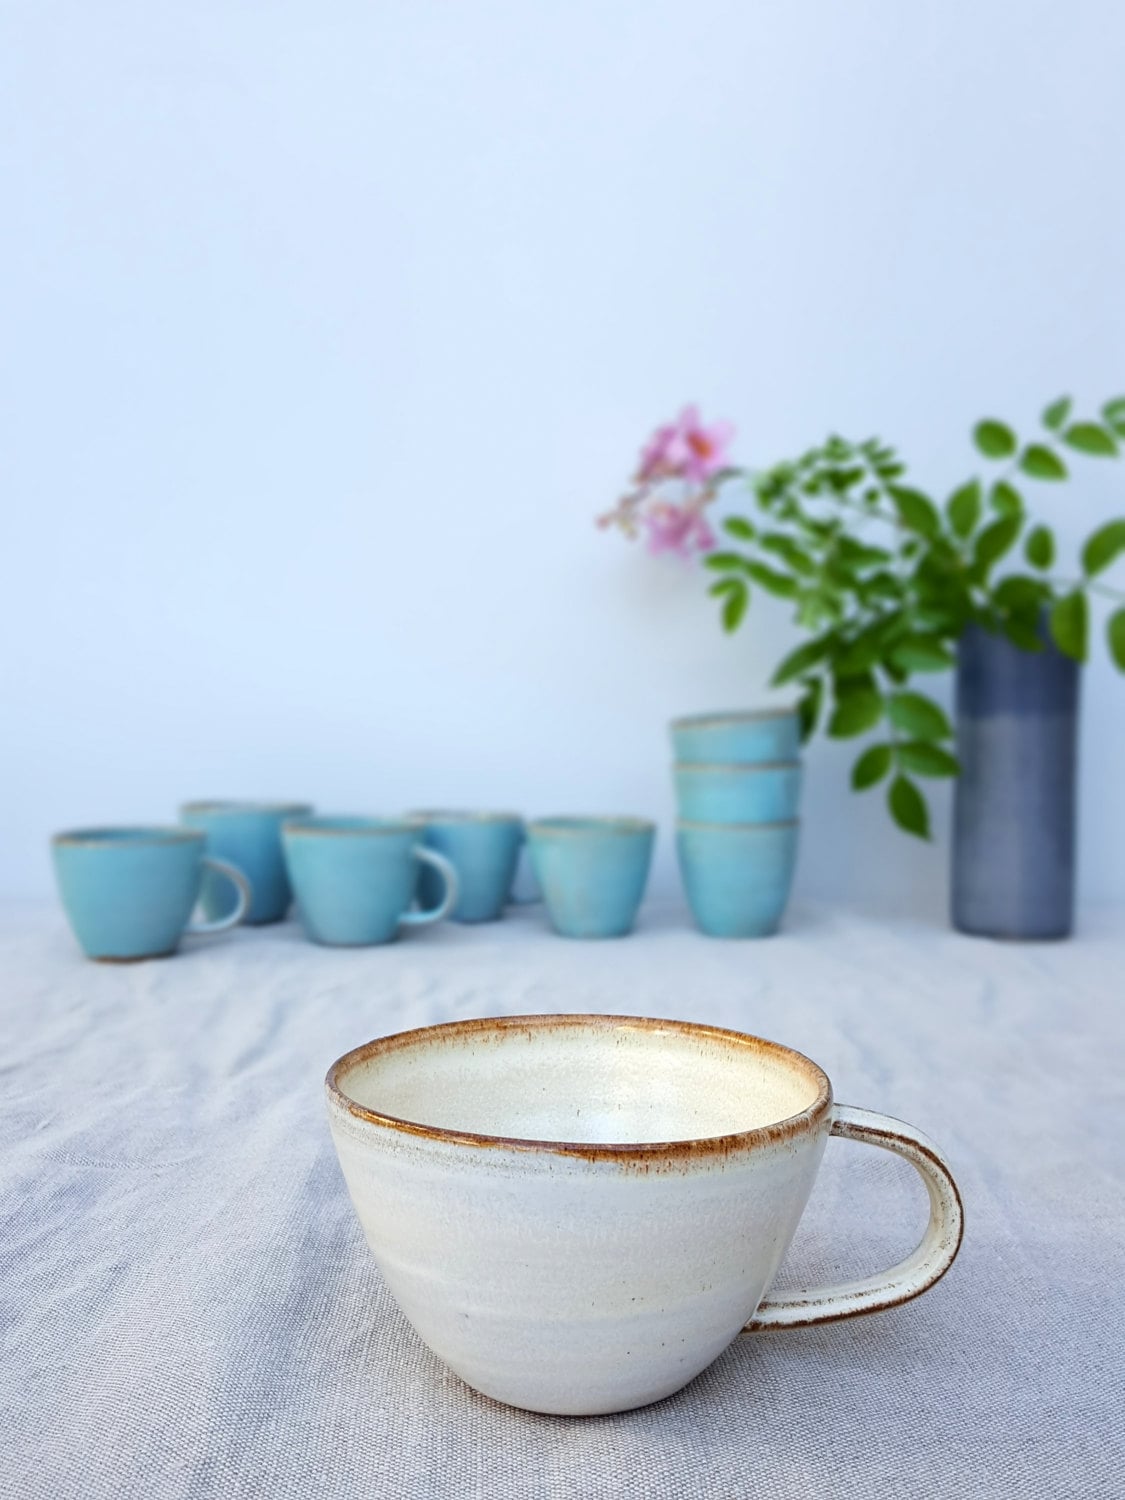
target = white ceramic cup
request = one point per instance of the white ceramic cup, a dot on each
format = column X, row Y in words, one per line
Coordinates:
column 579, row 1213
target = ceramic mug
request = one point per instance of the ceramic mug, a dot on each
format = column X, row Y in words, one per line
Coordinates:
column 737, row 876
column 484, row 849
column 579, row 1213
column 249, row 835
column 738, row 793
column 129, row 892
column 354, row 877
column 592, row 872
column 750, row 737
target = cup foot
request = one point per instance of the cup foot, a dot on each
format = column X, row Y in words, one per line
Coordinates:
column 130, row 958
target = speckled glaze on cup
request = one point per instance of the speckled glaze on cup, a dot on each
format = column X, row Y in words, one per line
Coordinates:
column 737, row 876
column 484, row 849
column 738, row 793
column 129, row 892
column 249, row 835
column 592, row 872
column 579, row 1213
column 750, row 737
column 354, row 877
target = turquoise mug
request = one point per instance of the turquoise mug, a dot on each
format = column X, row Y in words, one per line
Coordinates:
column 129, row 892
column 751, row 737
column 592, row 872
column 248, row 834
column 354, row 878
column 737, row 876
column 484, row 849
column 738, row 793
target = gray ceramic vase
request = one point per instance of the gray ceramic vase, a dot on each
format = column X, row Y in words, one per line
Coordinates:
column 1014, row 801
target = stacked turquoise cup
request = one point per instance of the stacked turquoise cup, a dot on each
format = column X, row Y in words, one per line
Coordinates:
column 738, row 787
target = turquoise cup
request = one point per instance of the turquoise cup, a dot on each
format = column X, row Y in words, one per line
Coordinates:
column 592, row 872
column 738, row 793
column 737, row 876
column 249, row 835
column 484, row 849
column 754, row 737
column 354, row 878
column 129, row 892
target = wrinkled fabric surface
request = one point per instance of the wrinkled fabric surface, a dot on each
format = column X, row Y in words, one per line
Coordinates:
column 189, row 1308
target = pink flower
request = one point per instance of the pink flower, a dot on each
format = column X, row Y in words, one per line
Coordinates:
column 685, row 449
column 677, row 528
column 704, row 448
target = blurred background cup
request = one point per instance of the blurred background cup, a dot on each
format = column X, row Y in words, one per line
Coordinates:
column 354, row 877
column 737, row 876
column 738, row 793
column 484, row 849
column 129, row 892
column 249, row 835
column 592, row 872
column 752, row 736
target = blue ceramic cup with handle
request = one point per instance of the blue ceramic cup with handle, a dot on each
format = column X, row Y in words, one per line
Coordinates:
column 592, row 872
column 129, row 892
column 484, row 849
column 248, row 834
column 354, row 878
column 737, row 876
column 738, row 793
column 746, row 737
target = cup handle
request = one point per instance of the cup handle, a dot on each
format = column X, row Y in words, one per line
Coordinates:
column 242, row 887
column 452, row 889
column 935, row 1254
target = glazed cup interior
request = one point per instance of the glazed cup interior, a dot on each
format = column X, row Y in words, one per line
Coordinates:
column 583, row 1080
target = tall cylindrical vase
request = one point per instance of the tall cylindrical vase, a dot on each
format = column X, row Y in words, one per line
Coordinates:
column 1014, row 802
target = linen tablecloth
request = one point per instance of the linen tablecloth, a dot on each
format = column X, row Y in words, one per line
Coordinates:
column 189, row 1308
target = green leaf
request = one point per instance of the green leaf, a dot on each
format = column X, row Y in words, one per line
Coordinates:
column 963, row 508
column 1006, row 499
column 808, row 707
column 858, row 655
column 738, row 526
column 773, row 582
column 925, row 759
column 1115, row 634
column 1019, row 592
column 1104, row 547
column 871, row 767
column 724, row 586
column 908, row 807
column 994, row 541
column 918, row 716
column 1113, row 414
column 798, row 662
column 859, row 555
column 1056, row 414
column 856, row 713
column 787, row 549
column 1070, row 624
column 1039, row 549
column 994, row 440
column 917, row 511
column 921, row 653
column 1041, row 463
column 735, row 606
column 1088, row 437
column 723, row 562
column 1022, row 630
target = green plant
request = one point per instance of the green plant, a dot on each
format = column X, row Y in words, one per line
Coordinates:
column 883, row 581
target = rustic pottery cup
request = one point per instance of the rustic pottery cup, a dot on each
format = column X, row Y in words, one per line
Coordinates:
column 578, row 1214
column 129, row 892
column 484, row 849
column 766, row 793
column 354, row 878
column 592, row 872
column 737, row 876
column 249, row 835
column 750, row 737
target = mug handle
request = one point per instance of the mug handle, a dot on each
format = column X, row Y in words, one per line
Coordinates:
column 452, row 889
column 242, row 906
column 935, row 1254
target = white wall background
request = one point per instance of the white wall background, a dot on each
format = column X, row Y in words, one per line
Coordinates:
column 325, row 329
